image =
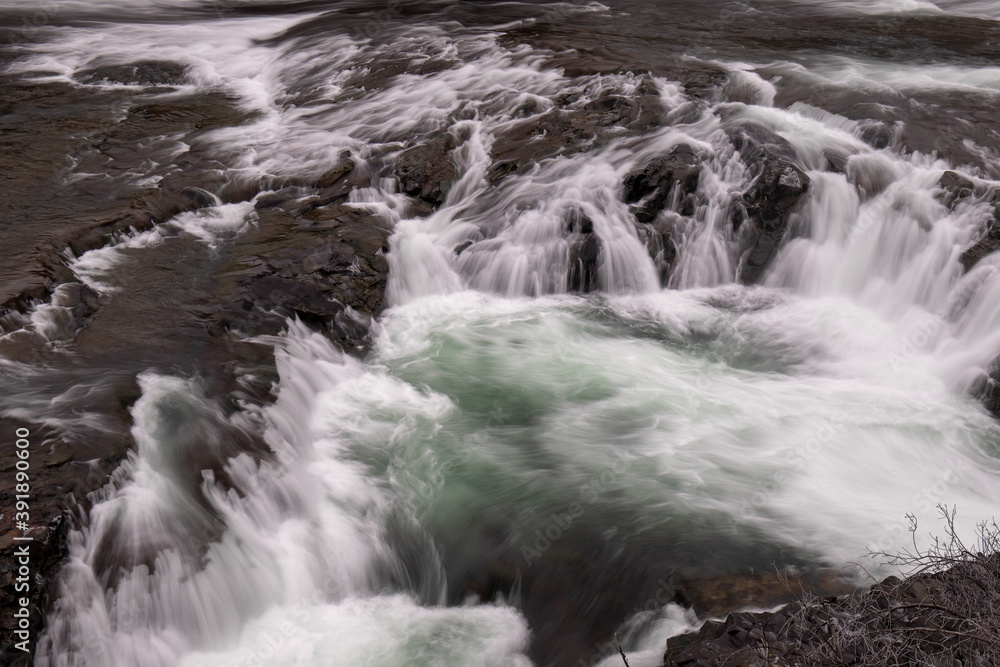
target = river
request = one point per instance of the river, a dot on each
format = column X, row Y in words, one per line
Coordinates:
column 528, row 443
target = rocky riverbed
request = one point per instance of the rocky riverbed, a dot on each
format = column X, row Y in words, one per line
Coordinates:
column 170, row 224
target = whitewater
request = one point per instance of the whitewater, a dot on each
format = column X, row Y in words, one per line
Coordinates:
column 508, row 447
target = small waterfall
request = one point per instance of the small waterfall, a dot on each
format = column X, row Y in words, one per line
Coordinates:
column 546, row 329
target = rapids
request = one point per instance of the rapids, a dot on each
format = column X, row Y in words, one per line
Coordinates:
column 512, row 469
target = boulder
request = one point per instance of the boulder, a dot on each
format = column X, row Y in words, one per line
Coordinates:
column 665, row 182
column 584, row 253
column 426, row 171
column 986, row 245
column 657, row 236
column 777, row 187
column 333, row 175
column 955, row 188
column 989, row 242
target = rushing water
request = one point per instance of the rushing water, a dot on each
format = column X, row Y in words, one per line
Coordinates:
column 508, row 452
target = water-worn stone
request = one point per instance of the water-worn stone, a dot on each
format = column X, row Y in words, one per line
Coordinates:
column 584, row 254
column 426, row 171
column 778, row 186
column 989, row 242
column 955, row 188
column 665, row 182
column 573, row 125
column 143, row 73
column 338, row 286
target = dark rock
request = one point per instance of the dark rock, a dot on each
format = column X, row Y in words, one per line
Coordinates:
column 577, row 222
column 199, row 198
column 956, row 188
column 572, row 126
column 426, row 171
column 987, row 389
column 652, row 189
column 705, row 83
column 75, row 304
column 337, row 172
column 143, row 73
column 988, row 244
column 500, row 169
column 713, row 596
column 278, row 198
column 860, row 628
column 85, row 125
column 759, row 145
column 990, row 240
column 778, row 185
column 584, row 253
column 878, row 134
column 337, row 286
column 657, row 237
column 83, row 300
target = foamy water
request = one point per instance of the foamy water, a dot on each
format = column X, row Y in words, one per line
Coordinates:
column 809, row 413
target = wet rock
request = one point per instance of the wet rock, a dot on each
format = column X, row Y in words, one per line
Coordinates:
column 705, row 83
column 665, row 182
column 573, row 125
column 713, row 596
column 861, row 628
column 118, row 133
column 878, row 134
column 333, row 175
column 987, row 245
column 143, row 73
column 63, row 471
column 279, row 197
column 987, row 389
column 337, row 286
column 584, row 253
column 735, row 641
column 777, row 187
column 871, row 173
column 657, row 236
column 426, row 171
column 759, row 145
column 956, row 188
column 989, row 242
column 199, row 198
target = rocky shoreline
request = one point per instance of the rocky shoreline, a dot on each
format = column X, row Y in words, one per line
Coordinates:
column 944, row 613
